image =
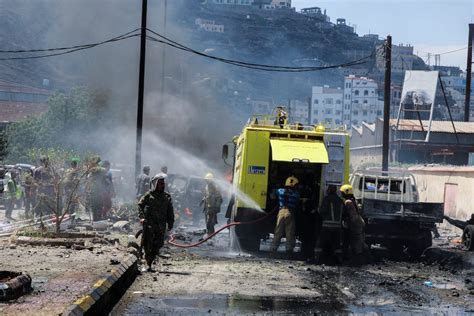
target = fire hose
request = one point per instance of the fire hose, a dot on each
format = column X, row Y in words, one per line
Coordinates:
column 172, row 236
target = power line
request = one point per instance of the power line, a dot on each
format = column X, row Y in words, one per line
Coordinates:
column 264, row 67
column 64, row 50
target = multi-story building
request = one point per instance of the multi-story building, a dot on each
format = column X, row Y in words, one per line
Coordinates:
column 298, row 111
column 18, row 102
column 327, row 106
column 360, row 101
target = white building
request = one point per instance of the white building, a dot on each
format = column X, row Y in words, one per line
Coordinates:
column 327, row 106
column 209, row 26
column 234, row 2
column 281, row 3
column 360, row 101
column 298, row 112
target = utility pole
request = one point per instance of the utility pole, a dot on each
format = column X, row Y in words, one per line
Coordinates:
column 386, row 104
column 467, row 100
column 141, row 88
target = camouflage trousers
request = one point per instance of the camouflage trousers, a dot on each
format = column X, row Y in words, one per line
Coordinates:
column 152, row 240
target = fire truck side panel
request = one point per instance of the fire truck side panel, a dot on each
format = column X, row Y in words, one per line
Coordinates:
column 252, row 164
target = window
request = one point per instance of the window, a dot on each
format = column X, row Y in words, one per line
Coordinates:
column 338, row 112
column 356, row 101
column 316, row 101
column 338, row 101
column 328, row 111
column 356, row 112
column 356, row 92
column 364, row 113
column 365, row 102
column 366, row 92
column 328, row 101
column 316, row 112
column 379, row 112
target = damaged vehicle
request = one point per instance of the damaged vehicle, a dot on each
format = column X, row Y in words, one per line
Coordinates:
column 394, row 216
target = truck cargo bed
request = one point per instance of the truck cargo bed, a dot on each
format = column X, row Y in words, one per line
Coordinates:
column 404, row 211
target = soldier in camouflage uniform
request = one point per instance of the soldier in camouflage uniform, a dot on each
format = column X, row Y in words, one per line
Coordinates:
column 95, row 188
column 155, row 210
column 212, row 203
column 71, row 186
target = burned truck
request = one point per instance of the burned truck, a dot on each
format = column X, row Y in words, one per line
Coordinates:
column 266, row 153
column 390, row 205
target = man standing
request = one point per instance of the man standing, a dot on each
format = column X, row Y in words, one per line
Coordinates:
column 288, row 200
column 11, row 193
column 143, row 182
column 109, row 189
column 212, row 203
column 30, row 193
column 330, row 238
column 44, row 182
column 354, row 223
column 71, row 187
column 155, row 210
column 95, row 188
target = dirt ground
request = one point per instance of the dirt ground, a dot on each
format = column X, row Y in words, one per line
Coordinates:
column 213, row 280
column 59, row 275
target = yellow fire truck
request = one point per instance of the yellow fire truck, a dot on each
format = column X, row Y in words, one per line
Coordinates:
column 267, row 152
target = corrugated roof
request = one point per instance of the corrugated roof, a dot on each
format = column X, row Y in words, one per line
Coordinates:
column 17, row 111
column 436, row 126
column 13, row 87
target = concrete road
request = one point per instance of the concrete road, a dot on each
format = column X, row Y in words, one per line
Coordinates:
column 214, row 280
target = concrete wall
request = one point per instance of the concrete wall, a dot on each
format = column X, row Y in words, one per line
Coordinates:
column 431, row 182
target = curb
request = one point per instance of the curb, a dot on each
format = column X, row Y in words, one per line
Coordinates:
column 107, row 291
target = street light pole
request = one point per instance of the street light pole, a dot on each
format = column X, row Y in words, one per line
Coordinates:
column 141, row 88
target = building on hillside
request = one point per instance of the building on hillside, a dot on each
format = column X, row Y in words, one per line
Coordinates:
column 298, row 111
column 233, row 2
column 360, row 101
column 413, row 144
column 327, row 106
column 18, row 102
column 343, row 26
column 447, row 70
column 280, row 4
column 315, row 13
column 209, row 26
column 402, row 58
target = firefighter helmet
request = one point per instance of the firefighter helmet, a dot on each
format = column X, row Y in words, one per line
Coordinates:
column 291, row 181
column 346, row 189
column 209, row 176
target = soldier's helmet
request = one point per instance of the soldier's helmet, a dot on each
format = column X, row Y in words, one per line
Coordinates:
column 146, row 168
column 209, row 176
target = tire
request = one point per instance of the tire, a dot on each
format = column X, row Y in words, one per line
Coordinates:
column 467, row 238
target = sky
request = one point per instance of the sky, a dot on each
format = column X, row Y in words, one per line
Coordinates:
column 431, row 26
